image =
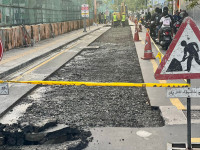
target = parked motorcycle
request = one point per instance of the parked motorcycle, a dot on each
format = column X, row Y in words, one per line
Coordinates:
column 147, row 24
column 154, row 31
column 165, row 37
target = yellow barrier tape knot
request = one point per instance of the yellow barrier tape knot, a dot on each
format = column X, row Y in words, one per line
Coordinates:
column 159, row 57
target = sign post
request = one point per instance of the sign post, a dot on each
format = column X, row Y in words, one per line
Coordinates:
column 3, row 86
column 1, row 50
column 84, row 25
column 182, row 61
column 85, row 14
column 189, row 120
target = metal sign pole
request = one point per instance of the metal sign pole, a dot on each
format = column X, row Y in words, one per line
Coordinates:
column 189, row 121
column 84, row 24
column 84, row 14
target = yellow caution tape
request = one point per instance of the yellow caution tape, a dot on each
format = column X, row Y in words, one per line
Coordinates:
column 101, row 84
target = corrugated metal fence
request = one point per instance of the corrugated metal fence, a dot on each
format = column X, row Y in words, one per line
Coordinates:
column 17, row 12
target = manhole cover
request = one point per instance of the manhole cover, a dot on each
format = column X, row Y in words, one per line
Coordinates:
column 195, row 114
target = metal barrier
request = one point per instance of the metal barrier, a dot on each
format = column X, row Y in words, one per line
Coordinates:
column 17, row 12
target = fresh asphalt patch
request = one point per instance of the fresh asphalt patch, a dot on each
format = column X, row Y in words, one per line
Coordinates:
column 115, row 61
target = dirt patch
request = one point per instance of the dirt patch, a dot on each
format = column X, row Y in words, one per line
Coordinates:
column 47, row 132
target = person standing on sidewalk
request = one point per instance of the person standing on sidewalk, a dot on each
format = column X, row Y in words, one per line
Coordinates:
column 102, row 18
column 114, row 20
column 123, row 19
column 105, row 17
column 99, row 18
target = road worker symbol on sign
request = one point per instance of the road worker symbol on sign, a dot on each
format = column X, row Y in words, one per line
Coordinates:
column 190, row 48
column 182, row 59
column 190, row 53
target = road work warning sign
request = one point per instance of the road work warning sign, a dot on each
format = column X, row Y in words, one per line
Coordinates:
column 182, row 59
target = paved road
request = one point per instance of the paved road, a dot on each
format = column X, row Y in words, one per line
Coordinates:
column 119, row 138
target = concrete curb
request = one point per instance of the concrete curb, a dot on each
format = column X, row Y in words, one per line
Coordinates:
column 172, row 115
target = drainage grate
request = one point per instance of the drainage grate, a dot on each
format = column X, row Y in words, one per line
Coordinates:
column 195, row 114
column 181, row 146
column 178, row 146
column 196, row 146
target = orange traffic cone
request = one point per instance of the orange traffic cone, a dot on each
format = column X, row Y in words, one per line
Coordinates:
column 136, row 36
column 148, row 54
column 136, row 21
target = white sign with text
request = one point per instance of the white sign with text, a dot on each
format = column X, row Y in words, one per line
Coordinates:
column 183, row 92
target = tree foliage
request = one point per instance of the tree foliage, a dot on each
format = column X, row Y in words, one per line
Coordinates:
column 133, row 5
column 193, row 3
column 89, row 2
column 108, row 3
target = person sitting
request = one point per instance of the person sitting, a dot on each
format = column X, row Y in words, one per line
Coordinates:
column 165, row 21
column 154, row 22
column 176, row 16
column 183, row 14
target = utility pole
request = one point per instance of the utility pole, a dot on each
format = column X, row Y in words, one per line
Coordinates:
column 95, row 11
column 84, row 21
column 146, row 3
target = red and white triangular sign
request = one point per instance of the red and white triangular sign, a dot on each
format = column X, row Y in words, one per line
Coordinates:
column 182, row 59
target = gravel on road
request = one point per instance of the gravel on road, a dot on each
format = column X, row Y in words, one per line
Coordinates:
column 115, row 61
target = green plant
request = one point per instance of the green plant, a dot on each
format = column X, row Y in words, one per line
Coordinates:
column 193, row 3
